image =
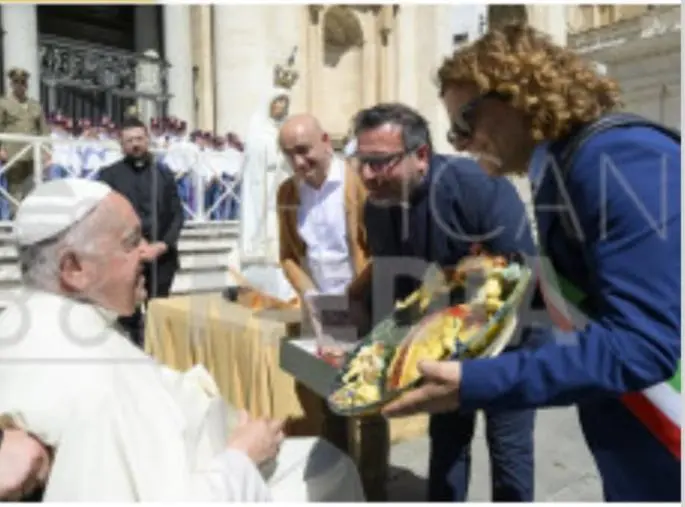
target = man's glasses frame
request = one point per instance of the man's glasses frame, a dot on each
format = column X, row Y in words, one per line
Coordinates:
column 382, row 162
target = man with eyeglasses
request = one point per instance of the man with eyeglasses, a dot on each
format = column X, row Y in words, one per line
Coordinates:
column 20, row 114
column 435, row 209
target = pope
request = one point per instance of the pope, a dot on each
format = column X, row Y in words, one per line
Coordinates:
column 122, row 427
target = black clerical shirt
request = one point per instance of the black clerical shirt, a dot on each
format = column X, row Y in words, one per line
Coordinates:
column 151, row 189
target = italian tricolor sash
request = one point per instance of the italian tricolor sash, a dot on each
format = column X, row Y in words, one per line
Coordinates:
column 659, row 406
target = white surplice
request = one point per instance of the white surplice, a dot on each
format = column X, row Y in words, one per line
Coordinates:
column 125, row 428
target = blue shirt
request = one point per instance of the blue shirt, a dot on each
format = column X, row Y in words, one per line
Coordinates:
column 456, row 206
column 625, row 190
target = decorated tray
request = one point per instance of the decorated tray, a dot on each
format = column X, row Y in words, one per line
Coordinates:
column 450, row 316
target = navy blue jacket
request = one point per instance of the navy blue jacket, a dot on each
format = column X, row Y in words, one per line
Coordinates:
column 625, row 189
column 455, row 206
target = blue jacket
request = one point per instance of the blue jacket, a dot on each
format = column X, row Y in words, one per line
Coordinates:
column 455, row 206
column 633, row 245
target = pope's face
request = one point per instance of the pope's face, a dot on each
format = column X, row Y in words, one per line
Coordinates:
column 279, row 108
column 112, row 274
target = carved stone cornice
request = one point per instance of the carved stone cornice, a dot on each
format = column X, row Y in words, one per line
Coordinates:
column 652, row 23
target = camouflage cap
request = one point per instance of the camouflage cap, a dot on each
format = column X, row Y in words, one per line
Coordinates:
column 18, row 73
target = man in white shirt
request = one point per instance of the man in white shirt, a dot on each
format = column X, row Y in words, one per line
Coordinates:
column 122, row 427
column 323, row 240
column 323, row 249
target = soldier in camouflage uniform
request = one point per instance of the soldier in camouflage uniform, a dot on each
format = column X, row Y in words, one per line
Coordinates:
column 20, row 114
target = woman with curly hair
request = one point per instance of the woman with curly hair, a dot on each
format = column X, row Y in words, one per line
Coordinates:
column 608, row 214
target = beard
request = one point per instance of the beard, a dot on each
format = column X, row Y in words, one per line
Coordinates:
column 393, row 192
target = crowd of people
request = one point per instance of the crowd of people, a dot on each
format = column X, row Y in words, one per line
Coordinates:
column 206, row 166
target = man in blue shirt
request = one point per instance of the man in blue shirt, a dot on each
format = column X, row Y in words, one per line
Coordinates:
column 520, row 100
column 433, row 208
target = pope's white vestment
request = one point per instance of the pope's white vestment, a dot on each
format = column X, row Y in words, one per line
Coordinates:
column 125, row 428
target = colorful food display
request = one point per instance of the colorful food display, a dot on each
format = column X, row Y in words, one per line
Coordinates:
column 427, row 325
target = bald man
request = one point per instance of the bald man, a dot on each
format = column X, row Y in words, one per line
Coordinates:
column 322, row 236
column 323, row 248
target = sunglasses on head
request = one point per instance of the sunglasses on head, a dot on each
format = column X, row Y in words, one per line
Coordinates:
column 463, row 123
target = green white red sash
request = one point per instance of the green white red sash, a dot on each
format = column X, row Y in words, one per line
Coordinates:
column 657, row 407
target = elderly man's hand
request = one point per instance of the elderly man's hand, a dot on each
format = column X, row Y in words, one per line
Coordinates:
column 24, row 465
column 260, row 439
column 438, row 393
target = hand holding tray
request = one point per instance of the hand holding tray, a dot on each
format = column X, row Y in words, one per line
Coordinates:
column 384, row 365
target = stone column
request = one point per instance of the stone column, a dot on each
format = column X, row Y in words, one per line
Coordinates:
column 203, row 61
column 370, row 53
column 442, row 40
column 406, row 79
column 315, row 56
column 551, row 19
column 242, row 63
column 20, row 43
column 147, row 43
column 178, row 53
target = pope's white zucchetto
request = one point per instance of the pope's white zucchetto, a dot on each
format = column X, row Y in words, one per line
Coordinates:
column 55, row 206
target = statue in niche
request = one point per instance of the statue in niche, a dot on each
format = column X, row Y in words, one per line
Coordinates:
column 342, row 32
column 264, row 169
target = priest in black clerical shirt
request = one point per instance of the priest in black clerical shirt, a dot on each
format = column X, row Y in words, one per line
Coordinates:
column 151, row 189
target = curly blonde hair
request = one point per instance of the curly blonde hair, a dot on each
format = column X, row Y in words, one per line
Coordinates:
column 553, row 86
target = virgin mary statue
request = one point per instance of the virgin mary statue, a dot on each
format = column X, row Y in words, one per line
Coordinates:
column 264, row 169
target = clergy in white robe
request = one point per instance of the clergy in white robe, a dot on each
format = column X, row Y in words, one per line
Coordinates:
column 122, row 427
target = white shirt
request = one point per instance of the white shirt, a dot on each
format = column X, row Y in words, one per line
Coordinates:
column 322, row 226
column 127, row 429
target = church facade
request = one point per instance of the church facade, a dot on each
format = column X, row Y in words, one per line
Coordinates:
column 212, row 64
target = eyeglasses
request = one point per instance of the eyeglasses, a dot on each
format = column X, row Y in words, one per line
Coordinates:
column 463, row 123
column 381, row 162
column 19, row 81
